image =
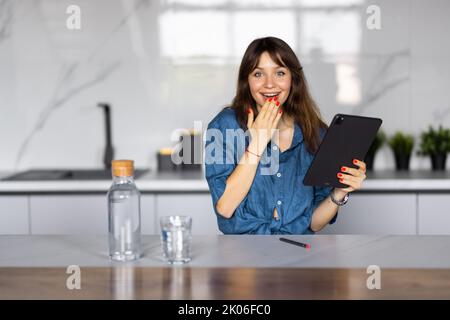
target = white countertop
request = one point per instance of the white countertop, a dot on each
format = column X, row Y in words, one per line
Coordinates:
column 327, row 251
column 192, row 181
column 378, row 181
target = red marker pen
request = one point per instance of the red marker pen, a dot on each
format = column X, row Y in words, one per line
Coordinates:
column 300, row 244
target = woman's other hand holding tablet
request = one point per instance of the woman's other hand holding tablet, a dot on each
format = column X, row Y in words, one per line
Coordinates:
column 353, row 178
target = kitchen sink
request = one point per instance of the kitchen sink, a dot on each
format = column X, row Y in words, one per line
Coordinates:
column 67, row 174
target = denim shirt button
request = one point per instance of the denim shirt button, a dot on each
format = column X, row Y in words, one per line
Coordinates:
column 278, row 202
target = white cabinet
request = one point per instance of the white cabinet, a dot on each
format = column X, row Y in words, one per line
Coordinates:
column 14, row 214
column 81, row 214
column 376, row 214
column 434, row 213
column 198, row 206
column 68, row 214
column 365, row 213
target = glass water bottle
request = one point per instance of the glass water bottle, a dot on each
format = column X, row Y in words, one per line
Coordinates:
column 124, row 212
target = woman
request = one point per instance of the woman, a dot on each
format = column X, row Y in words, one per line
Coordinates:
column 283, row 127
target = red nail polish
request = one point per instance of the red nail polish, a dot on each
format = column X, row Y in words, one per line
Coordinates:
column 249, row 110
column 343, row 169
column 276, row 98
column 278, row 103
column 355, row 161
column 339, row 175
column 270, row 99
column 281, row 111
column 341, row 180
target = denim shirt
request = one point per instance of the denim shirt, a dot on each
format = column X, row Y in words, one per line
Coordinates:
column 278, row 182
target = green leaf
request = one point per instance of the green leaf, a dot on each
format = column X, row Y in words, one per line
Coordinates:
column 401, row 144
column 434, row 142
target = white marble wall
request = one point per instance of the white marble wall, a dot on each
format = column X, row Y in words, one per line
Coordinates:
column 164, row 64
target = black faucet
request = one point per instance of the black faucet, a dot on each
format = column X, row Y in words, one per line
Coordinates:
column 109, row 150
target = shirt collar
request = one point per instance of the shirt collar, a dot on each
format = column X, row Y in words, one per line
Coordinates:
column 298, row 136
column 296, row 139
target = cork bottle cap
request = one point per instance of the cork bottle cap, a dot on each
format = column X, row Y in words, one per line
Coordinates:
column 122, row 168
column 166, row 151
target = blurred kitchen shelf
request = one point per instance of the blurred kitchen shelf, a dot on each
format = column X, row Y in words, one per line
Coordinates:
column 66, row 174
column 153, row 181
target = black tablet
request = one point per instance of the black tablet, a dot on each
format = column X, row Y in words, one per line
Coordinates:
column 348, row 137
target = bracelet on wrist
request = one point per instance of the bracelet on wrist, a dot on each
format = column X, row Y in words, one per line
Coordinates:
column 253, row 153
column 339, row 203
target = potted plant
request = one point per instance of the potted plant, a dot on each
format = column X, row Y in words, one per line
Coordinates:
column 436, row 144
column 402, row 145
column 376, row 145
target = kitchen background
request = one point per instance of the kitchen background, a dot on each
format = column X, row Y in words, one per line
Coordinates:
column 164, row 64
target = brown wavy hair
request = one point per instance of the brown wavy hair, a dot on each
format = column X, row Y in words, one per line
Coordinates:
column 299, row 104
